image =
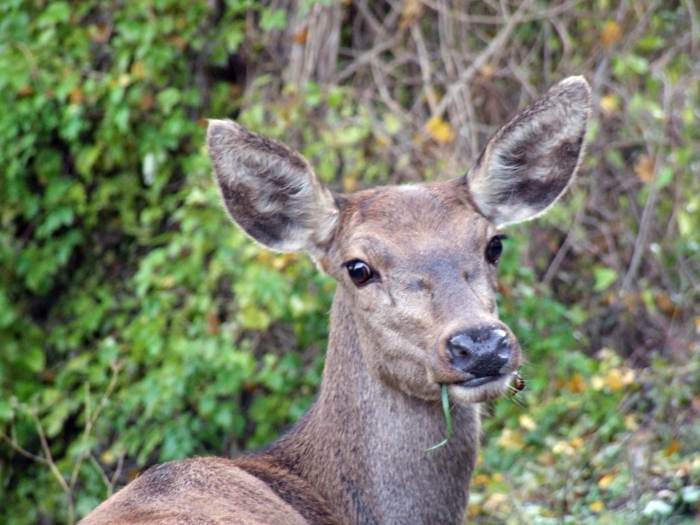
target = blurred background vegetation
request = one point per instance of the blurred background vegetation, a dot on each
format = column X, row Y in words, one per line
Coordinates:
column 137, row 326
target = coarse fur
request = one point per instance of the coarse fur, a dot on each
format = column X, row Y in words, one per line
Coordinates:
column 422, row 315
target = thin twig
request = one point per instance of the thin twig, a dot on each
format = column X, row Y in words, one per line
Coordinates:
column 496, row 44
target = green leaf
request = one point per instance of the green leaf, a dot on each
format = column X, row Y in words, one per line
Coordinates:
column 665, row 176
column 448, row 417
column 604, row 278
column 273, row 20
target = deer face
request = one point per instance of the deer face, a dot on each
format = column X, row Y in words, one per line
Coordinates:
column 416, row 265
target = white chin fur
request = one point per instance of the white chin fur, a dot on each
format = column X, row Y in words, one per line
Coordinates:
column 480, row 394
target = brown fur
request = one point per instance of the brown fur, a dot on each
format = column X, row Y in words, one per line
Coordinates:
column 359, row 455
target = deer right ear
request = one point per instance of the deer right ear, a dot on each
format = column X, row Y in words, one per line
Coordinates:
column 530, row 161
column 270, row 192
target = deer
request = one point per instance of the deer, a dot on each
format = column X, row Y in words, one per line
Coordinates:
column 414, row 313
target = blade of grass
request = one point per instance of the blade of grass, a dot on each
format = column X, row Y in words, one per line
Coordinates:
column 448, row 418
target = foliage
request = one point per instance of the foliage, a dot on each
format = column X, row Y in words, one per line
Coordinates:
column 137, row 326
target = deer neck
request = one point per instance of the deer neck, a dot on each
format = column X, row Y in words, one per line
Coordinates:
column 362, row 444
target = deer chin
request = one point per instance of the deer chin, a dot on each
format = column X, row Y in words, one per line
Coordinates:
column 480, row 389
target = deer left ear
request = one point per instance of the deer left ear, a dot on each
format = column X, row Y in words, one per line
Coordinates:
column 530, row 161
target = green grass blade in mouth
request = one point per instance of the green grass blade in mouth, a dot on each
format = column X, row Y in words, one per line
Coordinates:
column 448, row 417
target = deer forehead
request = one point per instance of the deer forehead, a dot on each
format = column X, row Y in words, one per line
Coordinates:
column 410, row 222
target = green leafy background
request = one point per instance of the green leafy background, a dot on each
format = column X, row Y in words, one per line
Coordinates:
column 138, row 326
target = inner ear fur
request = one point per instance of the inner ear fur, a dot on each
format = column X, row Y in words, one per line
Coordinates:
column 269, row 191
column 530, row 161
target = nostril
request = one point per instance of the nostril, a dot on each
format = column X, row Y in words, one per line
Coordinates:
column 460, row 345
column 481, row 352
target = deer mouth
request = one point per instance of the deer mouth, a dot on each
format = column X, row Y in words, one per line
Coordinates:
column 478, row 381
column 480, row 389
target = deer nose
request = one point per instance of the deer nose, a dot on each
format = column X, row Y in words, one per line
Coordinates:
column 481, row 352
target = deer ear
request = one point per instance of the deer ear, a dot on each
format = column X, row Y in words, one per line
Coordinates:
column 270, row 192
column 530, row 161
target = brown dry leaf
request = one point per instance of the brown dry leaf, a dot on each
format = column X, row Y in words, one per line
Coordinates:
column 439, row 130
column 665, row 304
column 100, row 33
column 547, row 459
column 76, row 95
column 25, row 91
column 576, row 384
column 411, row 12
column 138, row 70
column 645, row 168
column 674, row 447
column 213, row 322
column 178, row 42
column 301, row 36
column 148, row 101
column 611, row 34
column 487, row 72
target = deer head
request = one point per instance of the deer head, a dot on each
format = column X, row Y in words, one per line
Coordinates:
column 415, row 264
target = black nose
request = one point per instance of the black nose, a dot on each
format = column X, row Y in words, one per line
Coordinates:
column 481, row 352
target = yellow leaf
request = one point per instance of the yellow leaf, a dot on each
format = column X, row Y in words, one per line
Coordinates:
column 576, row 443
column 618, row 378
column 605, row 481
column 439, row 130
column 597, row 506
column 527, row 422
column 609, row 106
column 349, row 183
column 495, row 500
column 481, row 479
column 631, row 423
column 598, row 383
column 511, row 439
column 611, row 34
column 563, row 448
column 108, row 457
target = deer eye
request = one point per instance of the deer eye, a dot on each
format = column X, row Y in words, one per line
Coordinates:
column 494, row 249
column 360, row 273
